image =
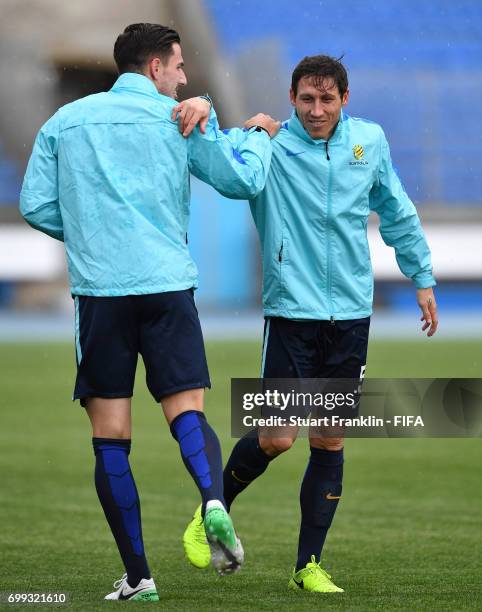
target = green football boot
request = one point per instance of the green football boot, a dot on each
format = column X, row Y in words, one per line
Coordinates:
column 227, row 554
column 314, row 579
column 195, row 543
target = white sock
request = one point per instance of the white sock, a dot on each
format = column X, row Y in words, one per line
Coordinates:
column 214, row 503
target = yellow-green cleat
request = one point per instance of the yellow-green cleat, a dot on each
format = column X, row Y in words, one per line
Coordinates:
column 314, row 579
column 195, row 543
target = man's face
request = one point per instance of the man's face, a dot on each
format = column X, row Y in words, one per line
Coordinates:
column 318, row 108
column 169, row 76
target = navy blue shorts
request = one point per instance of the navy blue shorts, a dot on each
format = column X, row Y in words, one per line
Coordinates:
column 314, row 349
column 163, row 327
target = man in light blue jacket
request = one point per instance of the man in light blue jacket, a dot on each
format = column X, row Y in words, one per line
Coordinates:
column 109, row 176
column 328, row 172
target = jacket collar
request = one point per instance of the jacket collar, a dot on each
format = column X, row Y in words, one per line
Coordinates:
column 132, row 81
column 296, row 127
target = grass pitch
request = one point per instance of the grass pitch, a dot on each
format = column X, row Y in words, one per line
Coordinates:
column 407, row 534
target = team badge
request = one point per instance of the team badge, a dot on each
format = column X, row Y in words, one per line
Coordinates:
column 358, row 151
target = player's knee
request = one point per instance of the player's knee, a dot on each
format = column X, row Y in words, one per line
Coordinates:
column 111, row 432
column 275, row 446
column 330, row 444
column 110, row 418
column 113, row 429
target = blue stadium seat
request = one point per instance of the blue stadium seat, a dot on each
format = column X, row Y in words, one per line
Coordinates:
column 10, row 181
column 415, row 67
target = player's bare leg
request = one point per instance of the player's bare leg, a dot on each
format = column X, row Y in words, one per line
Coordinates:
column 277, row 440
column 110, row 418
column 176, row 404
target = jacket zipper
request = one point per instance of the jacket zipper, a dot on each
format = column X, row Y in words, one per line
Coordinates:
column 328, row 237
column 280, row 259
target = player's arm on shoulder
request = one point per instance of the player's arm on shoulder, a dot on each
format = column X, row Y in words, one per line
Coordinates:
column 235, row 162
column 39, row 198
column 401, row 229
column 192, row 112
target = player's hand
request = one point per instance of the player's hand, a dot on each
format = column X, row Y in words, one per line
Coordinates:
column 426, row 301
column 266, row 122
column 190, row 113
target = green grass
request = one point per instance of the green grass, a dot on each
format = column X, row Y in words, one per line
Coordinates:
column 407, row 534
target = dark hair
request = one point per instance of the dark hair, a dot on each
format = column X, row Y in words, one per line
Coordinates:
column 321, row 67
column 139, row 42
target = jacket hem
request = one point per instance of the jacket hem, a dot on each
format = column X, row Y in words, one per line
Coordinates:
column 134, row 290
column 316, row 316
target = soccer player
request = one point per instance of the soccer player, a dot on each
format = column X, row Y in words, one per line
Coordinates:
column 328, row 172
column 109, row 176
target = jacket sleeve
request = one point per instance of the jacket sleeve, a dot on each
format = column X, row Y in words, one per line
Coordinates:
column 39, row 198
column 235, row 162
column 400, row 225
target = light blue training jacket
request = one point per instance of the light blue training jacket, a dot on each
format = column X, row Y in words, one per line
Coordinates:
column 312, row 221
column 109, row 175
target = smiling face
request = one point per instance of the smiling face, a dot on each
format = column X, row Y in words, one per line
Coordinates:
column 169, row 76
column 318, row 105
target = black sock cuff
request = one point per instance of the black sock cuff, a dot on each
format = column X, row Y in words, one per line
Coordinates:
column 180, row 416
column 320, row 456
column 119, row 442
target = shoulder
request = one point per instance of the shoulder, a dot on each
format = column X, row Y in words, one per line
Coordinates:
column 86, row 102
column 364, row 127
column 70, row 113
column 284, row 136
column 284, row 131
column 114, row 107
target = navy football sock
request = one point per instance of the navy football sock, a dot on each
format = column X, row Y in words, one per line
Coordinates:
column 246, row 463
column 118, row 495
column 319, row 495
column 201, row 453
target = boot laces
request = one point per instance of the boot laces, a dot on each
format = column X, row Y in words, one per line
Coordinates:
column 316, row 568
column 118, row 583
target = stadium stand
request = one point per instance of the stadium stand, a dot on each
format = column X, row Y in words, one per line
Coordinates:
column 415, row 68
column 10, row 180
